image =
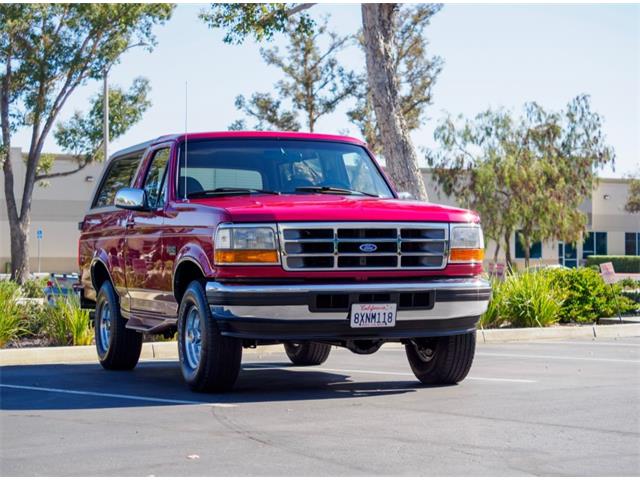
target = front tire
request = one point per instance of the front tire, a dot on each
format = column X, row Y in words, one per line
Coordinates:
column 209, row 361
column 118, row 346
column 441, row 360
column 307, row 353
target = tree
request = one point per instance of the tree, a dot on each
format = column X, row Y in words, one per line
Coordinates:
column 633, row 200
column 262, row 21
column 82, row 134
column 415, row 73
column 314, row 82
column 530, row 173
column 267, row 111
column 46, row 52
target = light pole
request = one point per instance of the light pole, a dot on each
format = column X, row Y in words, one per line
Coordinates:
column 105, row 113
column 105, row 101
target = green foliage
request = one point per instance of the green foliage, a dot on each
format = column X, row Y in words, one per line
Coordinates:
column 545, row 297
column 621, row 263
column 67, row 323
column 259, row 20
column 47, row 51
column 633, row 200
column 415, row 73
column 267, row 111
column 630, row 283
column 34, row 288
column 82, row 134
column 527, row 299
column 587, row 297
column 11, row 319
column 530, row 173
column 314, row 82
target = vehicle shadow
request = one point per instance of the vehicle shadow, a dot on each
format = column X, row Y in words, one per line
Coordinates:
column 87, row 385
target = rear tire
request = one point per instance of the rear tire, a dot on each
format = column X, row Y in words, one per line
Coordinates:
column 209, row 361
column 118, row 346
column 307, row 353
column 442, row 360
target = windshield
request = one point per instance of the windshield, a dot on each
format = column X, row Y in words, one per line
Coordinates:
column 226, row 167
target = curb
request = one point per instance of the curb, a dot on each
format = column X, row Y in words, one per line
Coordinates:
column 150, row 351
column 557, row 333
column 169, row 350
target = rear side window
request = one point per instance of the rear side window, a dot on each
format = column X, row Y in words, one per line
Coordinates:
column 119, row 175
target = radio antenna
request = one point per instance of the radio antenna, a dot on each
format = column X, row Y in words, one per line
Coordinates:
column 186, row 146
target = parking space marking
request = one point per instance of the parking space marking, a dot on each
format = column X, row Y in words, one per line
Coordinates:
column 557, row 357
column 610, row 344
column 380, row 372
column 116, row 395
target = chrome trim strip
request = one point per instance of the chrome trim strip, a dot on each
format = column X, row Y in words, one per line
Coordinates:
column 440, row 311
column 448, row 284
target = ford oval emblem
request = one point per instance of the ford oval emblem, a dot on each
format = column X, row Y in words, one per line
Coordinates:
column 368, row 247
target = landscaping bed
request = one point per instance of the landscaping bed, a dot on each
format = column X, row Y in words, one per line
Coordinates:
column 543, row 298
column 558, row 297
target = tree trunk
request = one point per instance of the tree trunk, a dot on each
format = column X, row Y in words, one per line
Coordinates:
column 507, row 250
column 496, row 252
column 397, row 148
column 526, row 246
column 19, row 251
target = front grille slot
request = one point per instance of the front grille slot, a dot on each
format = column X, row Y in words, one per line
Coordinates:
column 363, row 246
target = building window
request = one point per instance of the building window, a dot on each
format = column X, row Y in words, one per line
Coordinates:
column 632, row 243
column 595, row 243
column 534, row 252
column 567, row 254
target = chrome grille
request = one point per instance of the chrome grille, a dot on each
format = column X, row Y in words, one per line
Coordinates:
column 363, row 246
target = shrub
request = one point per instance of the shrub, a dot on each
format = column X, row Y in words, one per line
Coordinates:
column 492, row 318
column 11, row 317
column 67, row 323
column 621, row 263
column 526, row 299
column 586, row 297
column 34, row 288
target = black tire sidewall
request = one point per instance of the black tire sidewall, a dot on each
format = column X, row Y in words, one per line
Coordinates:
column 106, row 295
column 194, row 297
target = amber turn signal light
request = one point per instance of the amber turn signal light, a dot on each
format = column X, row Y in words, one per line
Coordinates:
column 466, row 255
column 245, row 256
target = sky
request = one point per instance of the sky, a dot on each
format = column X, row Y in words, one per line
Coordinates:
column 494, row 56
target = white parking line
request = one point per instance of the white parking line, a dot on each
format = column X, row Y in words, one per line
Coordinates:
column 117, row 395
column 588, row 344
column 557, row 357
column 379, row 372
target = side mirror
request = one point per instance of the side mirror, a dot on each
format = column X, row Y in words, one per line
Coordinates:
column 405, row 196
column 131, row 199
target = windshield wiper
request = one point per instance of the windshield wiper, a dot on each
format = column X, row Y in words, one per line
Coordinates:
column 337, row 190
column 229, row 191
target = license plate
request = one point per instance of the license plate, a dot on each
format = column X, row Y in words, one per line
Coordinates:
column 373, row 315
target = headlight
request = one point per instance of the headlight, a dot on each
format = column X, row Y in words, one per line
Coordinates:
column 246, row 245
column 466, row 244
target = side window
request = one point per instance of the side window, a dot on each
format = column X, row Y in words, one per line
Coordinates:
column 119, row 175
column 154, row 181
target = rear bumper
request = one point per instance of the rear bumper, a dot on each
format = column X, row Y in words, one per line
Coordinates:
column 321, row 311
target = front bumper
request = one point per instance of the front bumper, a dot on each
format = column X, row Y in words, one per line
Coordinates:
column 321, row 311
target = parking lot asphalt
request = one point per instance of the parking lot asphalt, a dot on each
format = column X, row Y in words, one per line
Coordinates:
column 544, row 408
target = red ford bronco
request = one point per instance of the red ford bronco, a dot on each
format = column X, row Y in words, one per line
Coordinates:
column 238, row 239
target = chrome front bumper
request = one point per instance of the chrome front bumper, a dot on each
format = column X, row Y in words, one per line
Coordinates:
column 292, row 311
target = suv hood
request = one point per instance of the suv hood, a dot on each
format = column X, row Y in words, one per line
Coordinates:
column 330, row 208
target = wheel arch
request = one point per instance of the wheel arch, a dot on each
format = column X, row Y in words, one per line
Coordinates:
column 187, row 270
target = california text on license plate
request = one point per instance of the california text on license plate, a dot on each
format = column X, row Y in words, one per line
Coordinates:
column 368, row 315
